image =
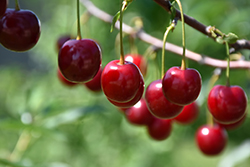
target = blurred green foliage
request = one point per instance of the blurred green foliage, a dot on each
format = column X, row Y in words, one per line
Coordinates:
column 46, row 124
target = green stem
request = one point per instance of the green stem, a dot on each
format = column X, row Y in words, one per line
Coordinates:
column 169, row 28
column 124, row 3
column 183, row 63
column 17, row 6
column 78, row 21
column 228, row 65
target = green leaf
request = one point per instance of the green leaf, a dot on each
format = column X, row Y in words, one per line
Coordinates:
column 114, row 20
column 231, row 38
column 220, row 40
column 10, row 164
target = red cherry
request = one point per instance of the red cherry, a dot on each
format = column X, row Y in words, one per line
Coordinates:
column 188, row 115
column 20, row 30
column 139, row 114
column 139, row 61
column 64, row 80
column 132, row 101
column 95, row 84
column 233, row 125
column 120, row 83
column 3, row 7
column 211, row 140
column 227, row 104
column 157, row 103
column 181, row 87
column 160, row 129
column 79, row 60
column 61, row 40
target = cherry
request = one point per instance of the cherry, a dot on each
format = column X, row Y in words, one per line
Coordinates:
column 211, row 140
column 20, row 30
column 227, row 104
column 160, row 129
column 95, row 84
column 64, row 80
column 79, row 60
column 139, row 114
column 157, row 103
column 61, row 40
column 181, row 87
column 121, row 82
column 139, row 61
column 188, row 115
column 233, row 125
column 132, row 101
column 3, row 7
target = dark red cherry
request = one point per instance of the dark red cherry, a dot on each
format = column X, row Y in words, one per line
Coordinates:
column 160, row 129
column 3, row 7
column 181, row 87
column 233, row 125
column 61, row 40
column 132, row 101
column 20, row 30
column 188, row 115
column 139, row 114
column 211, row 140
column 79, row 60
column 157, row 103
column 227, row 104
column 139, row 61
column 64, row 80
column 95, row 84
column 121, row 82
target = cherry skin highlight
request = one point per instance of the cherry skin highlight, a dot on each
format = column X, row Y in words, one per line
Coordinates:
column 188, row 115
column 95, row 84
column 20, row 30
column 157, row 103
column 121, row 82
column 3, row 7
column 211, row 140
column 160, row 129
column 227, row 104
column 139, row 61
column 139, row 114
column 79, row 60
column 181, row 87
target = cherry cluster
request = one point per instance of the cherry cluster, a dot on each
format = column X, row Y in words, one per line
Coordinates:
column 19, row 29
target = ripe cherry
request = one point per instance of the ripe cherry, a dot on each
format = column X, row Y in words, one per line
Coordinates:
column 3, row 7
column 211, row 140
column 132, row 101
column 160, row 129
column 95, row 84
column 233, row 125
column 139, row 61
column 189, row 114
column 181, row 87
column 139, row 114
column 121, row 82
column 227, row 104
column 20, row 30
column 61, row 40
column 64, row 80
column 157, row 103
column 79, row 60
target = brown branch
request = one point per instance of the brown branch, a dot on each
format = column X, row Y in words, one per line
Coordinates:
column 202, row 59
column 240, row 44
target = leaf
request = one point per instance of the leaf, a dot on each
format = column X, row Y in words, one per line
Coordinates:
column 114, row 20
column 11, row 164
column 231, row 38
column 220, row 40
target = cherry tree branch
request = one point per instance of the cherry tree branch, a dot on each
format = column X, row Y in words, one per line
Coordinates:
column 202, row 59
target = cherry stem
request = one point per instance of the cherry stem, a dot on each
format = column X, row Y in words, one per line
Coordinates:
column 228, row 65
column 183, row 63
column 169, row 28
column 17, row 6
column 79, row 36
column 124, row 3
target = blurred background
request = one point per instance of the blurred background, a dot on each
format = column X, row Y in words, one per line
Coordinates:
column 44, row 123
